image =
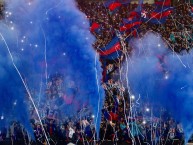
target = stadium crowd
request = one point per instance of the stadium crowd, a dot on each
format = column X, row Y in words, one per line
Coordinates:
column 118, row 123
column 177, row 30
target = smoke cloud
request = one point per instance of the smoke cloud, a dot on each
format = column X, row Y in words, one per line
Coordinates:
column 46, row 38
column 163, row 77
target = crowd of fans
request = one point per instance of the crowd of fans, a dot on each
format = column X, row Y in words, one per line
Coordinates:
column 119, row 123
column 176, row 31
column 126, row 125
column 178, row 35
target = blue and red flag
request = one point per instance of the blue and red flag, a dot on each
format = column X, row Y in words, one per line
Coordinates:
column 113, row 56
column 94, row 27
column 137, row 12
column 112, row 5
column 112, row 50
column 133, row 15
column 159, row 16
column 135, row 23
column 115, row 4
column 134, row 20
column 110, row 116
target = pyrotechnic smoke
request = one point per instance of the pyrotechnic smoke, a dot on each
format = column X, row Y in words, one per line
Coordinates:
column 163, row 76
column 46, row 37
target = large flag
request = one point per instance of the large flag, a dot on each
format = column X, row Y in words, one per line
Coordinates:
column 129, row 24
column 115, row 4
column 112, row 50
column 113, row 56
column 160, row 15
column 137, row 12
column 134, row 20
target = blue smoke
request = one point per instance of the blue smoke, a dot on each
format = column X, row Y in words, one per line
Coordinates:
column 46, row 38
column 164, row 76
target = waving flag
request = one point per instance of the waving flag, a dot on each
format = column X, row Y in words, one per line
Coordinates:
column 110, row 116
column 130, row 24
column 112, row 47
column 134, row 20
column 159, row 16
column 137, row 12
column 133, row 15
column 112, row 5
column 112, row 56
column 95, row 27
column 115, row 4
column 112, row 50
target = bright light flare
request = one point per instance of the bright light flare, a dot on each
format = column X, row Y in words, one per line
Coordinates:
column 147, row 109
column 144, row 122
column 132, row 97
column 2, row 117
